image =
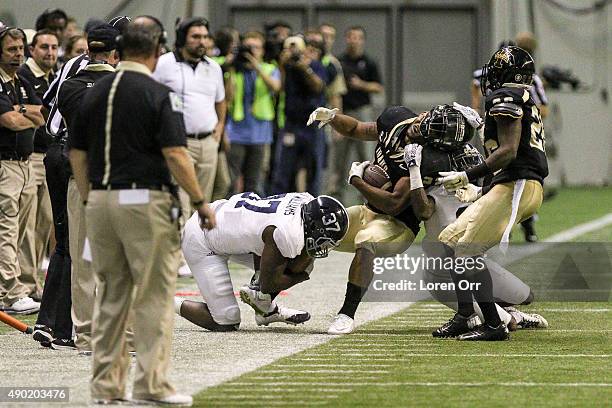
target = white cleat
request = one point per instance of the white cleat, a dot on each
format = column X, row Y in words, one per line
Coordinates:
column 260, row 302
column 342, row 324
column 283, row 314
column 184, row 272
column 527, row 320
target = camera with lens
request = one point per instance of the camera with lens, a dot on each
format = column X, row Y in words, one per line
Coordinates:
column 241, row 60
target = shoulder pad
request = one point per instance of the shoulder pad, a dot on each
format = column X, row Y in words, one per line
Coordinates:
column 507, row 109
column 391, row 116
column 507, row 101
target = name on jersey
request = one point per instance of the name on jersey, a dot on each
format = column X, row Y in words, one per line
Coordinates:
column 294, row 204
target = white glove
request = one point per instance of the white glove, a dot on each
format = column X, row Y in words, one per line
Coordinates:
column 472, row 117
column 453, row 180
column 469, row 193
column 323, row 115
column 357, row 170
column 412, row 155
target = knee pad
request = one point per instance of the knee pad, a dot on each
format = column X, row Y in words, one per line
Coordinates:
column 230, row 316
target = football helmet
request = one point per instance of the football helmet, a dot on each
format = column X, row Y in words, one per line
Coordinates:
column 446, row 128
column 466, row 158
column 325, row 223
column 509, row 64
column 433, row 160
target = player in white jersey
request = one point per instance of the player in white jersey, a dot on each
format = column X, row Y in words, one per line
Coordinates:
column 439, row 208
column 277, row 236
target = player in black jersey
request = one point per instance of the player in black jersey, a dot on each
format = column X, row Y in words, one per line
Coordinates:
column 388, row 224
column 517, row 166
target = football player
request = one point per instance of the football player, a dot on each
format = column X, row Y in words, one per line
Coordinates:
column 278, row 236
column 516, row 161
column 437, row 208
column 386, row 225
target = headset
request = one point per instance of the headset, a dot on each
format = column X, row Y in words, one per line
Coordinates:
column 182, row 27
column 4, row 32
column 162, row 40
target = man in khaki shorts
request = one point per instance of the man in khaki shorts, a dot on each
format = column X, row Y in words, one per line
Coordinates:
column 123, row 155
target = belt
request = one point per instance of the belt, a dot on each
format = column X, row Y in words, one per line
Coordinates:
column 13, row 156
column 131, row 186
column 199, row 136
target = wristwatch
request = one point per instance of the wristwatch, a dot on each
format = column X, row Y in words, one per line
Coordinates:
column 22, row 109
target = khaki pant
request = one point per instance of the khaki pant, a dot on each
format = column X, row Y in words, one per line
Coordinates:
column 482, row 224
column 82, row 282
column 222, row 178
column 36, row 224
column 14, row 178
column 380, row 233
column 135, row 274
column 204, row 155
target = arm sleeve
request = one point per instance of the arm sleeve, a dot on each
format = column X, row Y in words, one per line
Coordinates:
column 6, row 105
column 171, row 125
column 507, row 102
column 287, row 247
column 220, row 95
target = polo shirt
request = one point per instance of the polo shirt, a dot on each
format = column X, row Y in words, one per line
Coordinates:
column 40, row 81
column 199, row 87
column 366, row 69
column 124, row 122
column 15, row 91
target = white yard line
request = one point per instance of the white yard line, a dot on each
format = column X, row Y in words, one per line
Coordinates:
column 432, row 384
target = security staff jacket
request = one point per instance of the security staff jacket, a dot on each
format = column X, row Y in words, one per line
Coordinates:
column 123, row 124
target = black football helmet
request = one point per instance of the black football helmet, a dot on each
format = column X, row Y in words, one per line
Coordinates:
column 446, row 128
column 433, row 161
column 325, row 223
column 509, row 65
column 466, row 158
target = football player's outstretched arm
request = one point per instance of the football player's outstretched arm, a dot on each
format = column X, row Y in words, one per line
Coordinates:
column 272, row 276
column 391, row 202
column 351, row 127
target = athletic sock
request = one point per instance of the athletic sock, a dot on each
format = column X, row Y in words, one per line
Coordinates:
column 484, row 296
column 352, row 298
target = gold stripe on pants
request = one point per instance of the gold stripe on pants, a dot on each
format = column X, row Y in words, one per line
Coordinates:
column 135, row 274
column 36, row 223
column 482, row 224
column 14, row 177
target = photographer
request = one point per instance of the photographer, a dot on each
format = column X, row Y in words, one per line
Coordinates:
column 253, row 84
column 304, row 79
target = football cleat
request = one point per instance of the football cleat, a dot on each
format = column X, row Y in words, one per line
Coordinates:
column 527, row 320
column 283, row 314
column 486, row 333
column 454, row 327
column 260, row 302
column 342, row 324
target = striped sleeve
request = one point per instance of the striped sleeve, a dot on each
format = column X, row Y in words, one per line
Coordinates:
column 55, row 124
column 538, row 94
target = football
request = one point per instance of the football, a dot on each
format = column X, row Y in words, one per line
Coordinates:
column 377, row 177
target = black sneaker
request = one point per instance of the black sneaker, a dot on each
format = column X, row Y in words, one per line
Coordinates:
column 486, row 333
column 63, row 344
column 453, row 328
column 43, row 334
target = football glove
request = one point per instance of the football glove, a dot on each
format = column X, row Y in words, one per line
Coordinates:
column 469, row 193
column 412, row 155
column 323, row 115
column 472, row 117
column 357, row 170
column 452, row 180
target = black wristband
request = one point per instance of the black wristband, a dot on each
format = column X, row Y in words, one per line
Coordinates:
column 197, row 204
column 479, row 171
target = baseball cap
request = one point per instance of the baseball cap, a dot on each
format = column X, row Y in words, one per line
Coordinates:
column 102, row 38
column 120, row 22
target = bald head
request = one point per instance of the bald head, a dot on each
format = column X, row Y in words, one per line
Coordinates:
column 142, row 38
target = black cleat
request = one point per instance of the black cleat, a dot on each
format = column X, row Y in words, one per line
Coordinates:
column 486, row 333
column 453, row 328
column 528, row 227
